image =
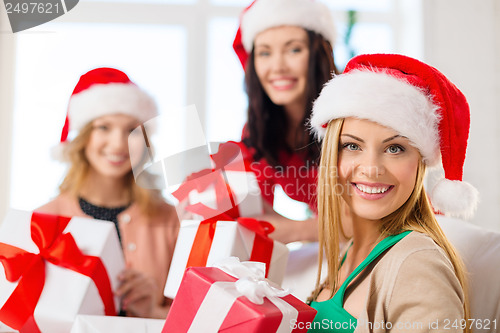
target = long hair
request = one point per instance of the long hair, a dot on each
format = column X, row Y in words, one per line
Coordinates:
column 267, row 126
column 74, row 152
column 415, row 214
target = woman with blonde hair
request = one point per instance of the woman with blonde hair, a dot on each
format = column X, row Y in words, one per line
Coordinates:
column 103, row 112
column 383, row 122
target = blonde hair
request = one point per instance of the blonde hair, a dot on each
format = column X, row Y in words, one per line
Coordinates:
column 415, row 214
column 74, row 152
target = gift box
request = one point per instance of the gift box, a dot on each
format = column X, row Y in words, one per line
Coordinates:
column 106, row 324
column 242, row 186
column 237, row 299
column 54, row 268
column 230, row 187
column 7, row 329
column 201, row 244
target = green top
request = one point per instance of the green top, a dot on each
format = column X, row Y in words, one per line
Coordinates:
column 331, row 314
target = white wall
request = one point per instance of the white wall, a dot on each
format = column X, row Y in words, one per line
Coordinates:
column 462, row 39
column 6, row 98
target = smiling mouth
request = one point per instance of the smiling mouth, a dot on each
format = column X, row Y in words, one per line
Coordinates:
column 116, row 158
column 372, row 189
column 283, row 84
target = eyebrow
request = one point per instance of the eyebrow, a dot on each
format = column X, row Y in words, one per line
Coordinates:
column 361, row 140
column 286, row 44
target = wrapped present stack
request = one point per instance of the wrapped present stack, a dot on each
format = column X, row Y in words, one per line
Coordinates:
column 225, row 193
column 235, row 297
column 54, row 268
column 203, row 243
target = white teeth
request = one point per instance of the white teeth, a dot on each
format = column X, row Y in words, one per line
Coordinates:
column 281, row 83
column 371, row 190
column 115, row 158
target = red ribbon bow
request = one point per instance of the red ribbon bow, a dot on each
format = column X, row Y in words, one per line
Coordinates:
column 228, row 158
column 262, row 247
column 29, row 269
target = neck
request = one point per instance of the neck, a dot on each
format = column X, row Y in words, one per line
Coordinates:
column 105, row 191
column 365, row 234
column 295, row 114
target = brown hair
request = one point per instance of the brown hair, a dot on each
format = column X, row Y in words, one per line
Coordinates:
column 415, row 214
column 267, row 124
column 74, row 152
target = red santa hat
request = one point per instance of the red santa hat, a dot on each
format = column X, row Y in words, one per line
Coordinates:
column 418, row 102
column 104, row 91
column 264, row 14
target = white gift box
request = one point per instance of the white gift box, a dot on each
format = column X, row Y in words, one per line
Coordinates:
column 245, row 188
column 230, row 240
column 106, row 324
column 66, row 293
column 6, row 329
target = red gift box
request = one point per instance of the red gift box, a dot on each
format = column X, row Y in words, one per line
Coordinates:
column 207, row 301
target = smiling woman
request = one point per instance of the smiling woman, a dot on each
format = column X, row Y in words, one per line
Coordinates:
column 104, row 109
column 382, row 123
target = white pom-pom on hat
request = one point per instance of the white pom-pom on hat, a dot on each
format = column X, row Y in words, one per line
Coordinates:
column 454, row 198
column 417, row 101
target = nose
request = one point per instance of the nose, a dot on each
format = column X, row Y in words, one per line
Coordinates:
column 279, row 62
column 371, row 165
column 119, row 139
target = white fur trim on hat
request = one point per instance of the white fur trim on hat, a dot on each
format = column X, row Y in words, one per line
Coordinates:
column 111, row 98
column 265, row 14
column 381, row 98
column 58, row 152
column 455, row 198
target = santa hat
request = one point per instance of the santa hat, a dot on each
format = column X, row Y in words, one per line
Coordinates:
column 418, row 102
column 264, row 14
column 100, row 92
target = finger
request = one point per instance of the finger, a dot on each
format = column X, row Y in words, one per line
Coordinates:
column 126, row 274
column 131, row 282
column 137, row 295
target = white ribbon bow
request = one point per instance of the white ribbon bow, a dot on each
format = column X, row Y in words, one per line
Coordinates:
column 251, row 284
column 251, row 279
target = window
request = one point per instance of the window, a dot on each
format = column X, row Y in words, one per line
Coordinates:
column 180, row 51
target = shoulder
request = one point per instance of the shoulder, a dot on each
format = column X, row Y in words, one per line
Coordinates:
column 165, row 215
column 413, row 256
column 415, row 277
column 411, row 246
column 414, row 284
column 63, row 204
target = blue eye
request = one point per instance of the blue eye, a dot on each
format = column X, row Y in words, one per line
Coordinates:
column 395, row 149
column 296, row 50
column 101, row 127
column 350, row 146
column 263, row 54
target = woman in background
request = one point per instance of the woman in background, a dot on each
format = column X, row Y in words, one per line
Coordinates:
column 383, row 122
column 285, row 48
column 104, row 109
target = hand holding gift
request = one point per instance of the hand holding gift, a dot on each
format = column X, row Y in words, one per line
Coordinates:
column 138, row 293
